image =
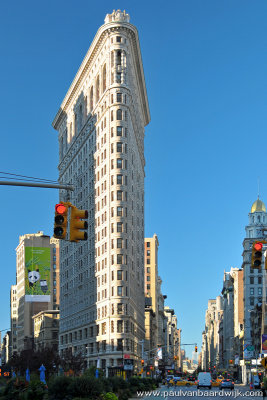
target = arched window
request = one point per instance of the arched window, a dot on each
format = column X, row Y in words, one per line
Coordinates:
column 97, row 89
column 85, row 106
column 104, row 83
column 91, row 98
column 70, row 131
column 80, row 116
column 118, row 57
column 119, row 115
column 111, row 115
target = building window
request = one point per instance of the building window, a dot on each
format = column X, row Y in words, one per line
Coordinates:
column 119, row 226
column 119, row 326
column 104, row 345
column 118, row 77
column 119, row 259
column 119, row 290
column 119, row 243
column 103, row 328
column 119, row 147
column 259, row 279
column 260, row 291
column 119, row 211
column 148, row 278
column 119, row 308
column 119, row 115
column 252, row 291
column 148, row 270
column 251, row 301
column 147, row 244
column 120, row 345
column 119, row 97
column 119, row 275
column 118, row 39
column 119, row 162
column 119, row 194
column 97, row 89
column 91, row 98
column 148, row 287
column 148, row 252
column 251, row 280
column 148, row 261
column 119, row 179
column 104, row 77
column 119, row 130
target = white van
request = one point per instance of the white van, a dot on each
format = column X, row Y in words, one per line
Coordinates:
column 204, row 380
column 256, row 381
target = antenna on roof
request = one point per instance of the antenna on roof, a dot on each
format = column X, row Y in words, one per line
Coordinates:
column 258, row 187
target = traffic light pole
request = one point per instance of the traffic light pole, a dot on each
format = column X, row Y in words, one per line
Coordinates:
column 40, row 185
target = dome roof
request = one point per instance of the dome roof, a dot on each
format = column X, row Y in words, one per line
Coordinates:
column 258, row 206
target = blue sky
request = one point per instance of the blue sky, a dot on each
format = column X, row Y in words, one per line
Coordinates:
column 205, row 70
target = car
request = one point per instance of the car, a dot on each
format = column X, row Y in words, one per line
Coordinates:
column 191, row 379
column 177, row 378
column 227, row 384
column 215, row 383
column 204, row 380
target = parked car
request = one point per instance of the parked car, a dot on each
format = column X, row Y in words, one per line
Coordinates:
column 227, row 384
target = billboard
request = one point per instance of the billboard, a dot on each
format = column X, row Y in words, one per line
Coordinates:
column 264, row 344
column 37, row 274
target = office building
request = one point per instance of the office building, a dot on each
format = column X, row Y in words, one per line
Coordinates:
column 100, row 126
column 37, row 286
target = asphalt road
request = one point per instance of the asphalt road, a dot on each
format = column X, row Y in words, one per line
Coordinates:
column 180, row 392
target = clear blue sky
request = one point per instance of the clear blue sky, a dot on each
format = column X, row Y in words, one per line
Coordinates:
column 205, row 69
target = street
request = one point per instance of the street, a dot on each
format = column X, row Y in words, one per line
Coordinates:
column 182, row 392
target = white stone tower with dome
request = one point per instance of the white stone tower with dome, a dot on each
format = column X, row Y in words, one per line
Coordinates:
column 253, row 278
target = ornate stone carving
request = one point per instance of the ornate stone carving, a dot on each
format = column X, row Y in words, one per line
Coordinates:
column 118, row 16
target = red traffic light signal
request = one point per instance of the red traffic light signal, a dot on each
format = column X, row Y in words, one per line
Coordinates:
column 61, row 220
column 60, row 208
column 258, row 246
column 195, row 348
column 256, row 257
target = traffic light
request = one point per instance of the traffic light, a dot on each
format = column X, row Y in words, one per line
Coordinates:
column 76, row 234
column 256, row 257
column 142, row 362
column 61, row 220
column 195, row 348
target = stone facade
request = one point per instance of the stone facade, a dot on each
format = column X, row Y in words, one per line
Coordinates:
column 46, row 328
column 100, row 128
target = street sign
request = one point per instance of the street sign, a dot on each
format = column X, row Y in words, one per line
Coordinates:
column 128, row 365
column 248, row 351
column 264, row 362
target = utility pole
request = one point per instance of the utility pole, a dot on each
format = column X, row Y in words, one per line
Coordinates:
column 40, row 185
